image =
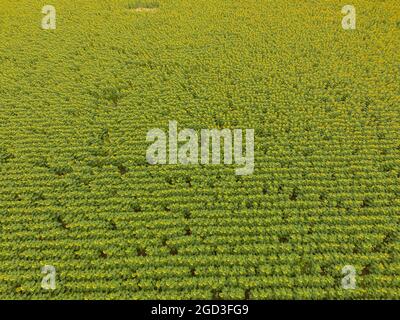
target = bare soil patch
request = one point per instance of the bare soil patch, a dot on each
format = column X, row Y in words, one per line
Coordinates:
column 146, row 9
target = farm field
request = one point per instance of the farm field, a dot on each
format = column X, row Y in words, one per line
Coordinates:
column 77, row 193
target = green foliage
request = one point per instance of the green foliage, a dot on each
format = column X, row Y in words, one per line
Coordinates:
column 76, row 191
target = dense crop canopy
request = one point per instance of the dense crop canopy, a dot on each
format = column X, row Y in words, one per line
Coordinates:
column 77, row 193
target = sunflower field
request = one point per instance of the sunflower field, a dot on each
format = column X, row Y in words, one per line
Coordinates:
column 77, row 193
